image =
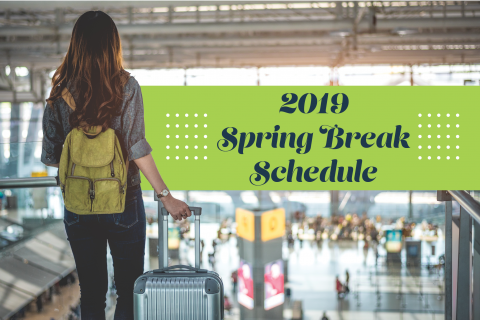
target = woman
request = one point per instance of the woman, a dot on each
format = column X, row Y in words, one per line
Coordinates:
column 104, row 94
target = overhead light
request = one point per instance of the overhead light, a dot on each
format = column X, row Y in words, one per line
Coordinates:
column 341, row 33
column 401, row 31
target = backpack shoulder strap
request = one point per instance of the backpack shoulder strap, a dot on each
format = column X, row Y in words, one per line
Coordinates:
column 88, row 130
column 67, row 96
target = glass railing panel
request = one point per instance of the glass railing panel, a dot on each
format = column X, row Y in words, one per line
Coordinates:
column 22, row 210
column 21, row 160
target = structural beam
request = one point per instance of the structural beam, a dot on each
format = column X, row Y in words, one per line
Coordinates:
column 257, row 26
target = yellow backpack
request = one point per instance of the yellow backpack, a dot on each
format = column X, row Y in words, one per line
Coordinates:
column 92, row 171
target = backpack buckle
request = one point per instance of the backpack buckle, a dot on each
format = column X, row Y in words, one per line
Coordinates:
column 92, row 194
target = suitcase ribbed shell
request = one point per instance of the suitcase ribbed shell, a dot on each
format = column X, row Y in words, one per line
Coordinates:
column 176, row 299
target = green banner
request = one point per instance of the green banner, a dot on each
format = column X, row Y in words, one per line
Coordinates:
column 314, row 138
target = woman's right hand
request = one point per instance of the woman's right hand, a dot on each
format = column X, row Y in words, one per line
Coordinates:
column 178, row 209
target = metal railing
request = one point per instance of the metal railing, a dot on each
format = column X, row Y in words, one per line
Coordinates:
column 37, row 182
column 467, row 202
column 461, row 262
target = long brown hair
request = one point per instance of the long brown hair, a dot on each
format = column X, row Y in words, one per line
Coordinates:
column 94, row 65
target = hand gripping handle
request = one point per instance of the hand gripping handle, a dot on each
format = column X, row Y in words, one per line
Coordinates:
column 197, row 211
column 163, row 236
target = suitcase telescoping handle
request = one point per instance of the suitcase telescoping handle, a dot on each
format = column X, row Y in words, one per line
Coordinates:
column 163, row 236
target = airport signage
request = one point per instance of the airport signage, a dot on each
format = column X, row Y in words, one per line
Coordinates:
column 272, row 224
column 245, row 224
column 314, row 138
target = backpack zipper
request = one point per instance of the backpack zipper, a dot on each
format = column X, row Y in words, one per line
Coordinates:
column 92, row 194
column 111, row 169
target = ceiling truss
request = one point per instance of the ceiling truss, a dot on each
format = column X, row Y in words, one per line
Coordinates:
column 162, row 34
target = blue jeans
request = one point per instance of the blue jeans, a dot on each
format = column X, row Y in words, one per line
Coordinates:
column 125, row 233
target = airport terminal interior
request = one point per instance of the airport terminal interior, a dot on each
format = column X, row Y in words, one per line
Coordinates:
column 341, row 255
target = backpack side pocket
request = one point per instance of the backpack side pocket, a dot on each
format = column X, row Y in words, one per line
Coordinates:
column 109, row 196
column 78, row 194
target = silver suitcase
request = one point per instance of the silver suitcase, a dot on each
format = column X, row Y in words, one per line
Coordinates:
column 178, row 292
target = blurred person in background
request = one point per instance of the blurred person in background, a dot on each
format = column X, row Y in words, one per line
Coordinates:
column 227, row 304
column 290, row 239
column 234, row 278
column 339, row 288
column 211, row 260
